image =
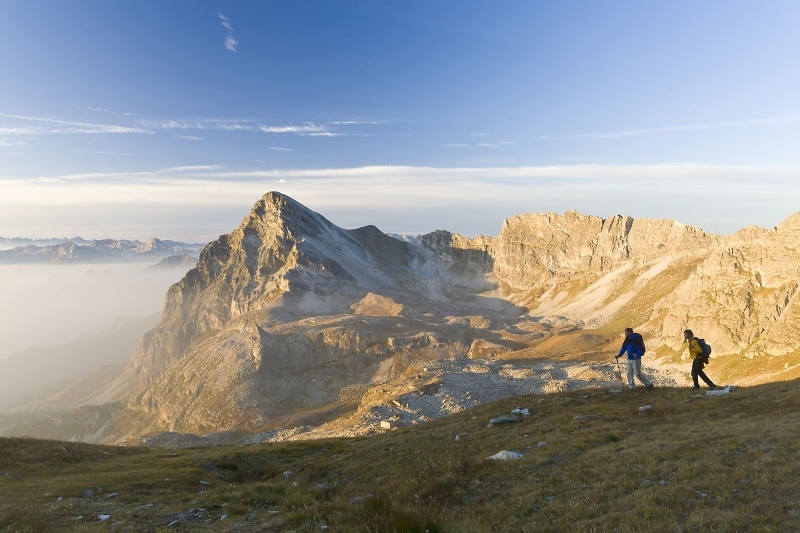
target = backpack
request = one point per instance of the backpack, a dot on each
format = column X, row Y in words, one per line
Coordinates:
column 637, row 340
column 706, row 349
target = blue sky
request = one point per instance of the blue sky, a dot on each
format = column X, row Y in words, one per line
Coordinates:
column 170, row 119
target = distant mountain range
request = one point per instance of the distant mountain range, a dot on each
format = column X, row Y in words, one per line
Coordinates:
column 78, row 250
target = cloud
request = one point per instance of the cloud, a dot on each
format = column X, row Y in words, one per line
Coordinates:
column 50, row 126
column 230, row 41
column 278, row 149
column 313, row 129
column 106, row 110
column 305, row 128
column 201, row 124
column 426, row 180
column 468, row 199
column 190, row 168
column 308, row 128
column 769, row 121
column 174, row 124
column 354, row 122
column 189, row 137
column 478, row 145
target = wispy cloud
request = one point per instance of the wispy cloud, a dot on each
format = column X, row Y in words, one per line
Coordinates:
column 110, row 111
column 44, row 126
column 190, row 168
column 425, row 197
column 308, row 128
column 475, row 145
column 230, row 40
column 189, row 138
column 173, row 124
column 389, row 175
column 279, row 149
column 199, row 124
column 769, row 121
column 354, row 122
column 304, row 128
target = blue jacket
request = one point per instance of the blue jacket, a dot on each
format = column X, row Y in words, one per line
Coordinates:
column 634, row 352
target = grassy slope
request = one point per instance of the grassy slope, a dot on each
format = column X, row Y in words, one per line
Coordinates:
column 690, row 463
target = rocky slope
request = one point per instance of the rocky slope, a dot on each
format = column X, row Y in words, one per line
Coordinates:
column 289, row 319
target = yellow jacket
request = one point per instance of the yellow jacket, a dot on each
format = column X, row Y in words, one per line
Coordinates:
column 695, row 350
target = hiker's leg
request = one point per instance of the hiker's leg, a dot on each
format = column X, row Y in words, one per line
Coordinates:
column 638, row 372
column 696, row 368
column 630, row 373
column 704, row 377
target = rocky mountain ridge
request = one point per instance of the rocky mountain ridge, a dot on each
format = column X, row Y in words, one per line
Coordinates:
column 290, row 314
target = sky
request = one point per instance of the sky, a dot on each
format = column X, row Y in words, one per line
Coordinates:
column 171, row 119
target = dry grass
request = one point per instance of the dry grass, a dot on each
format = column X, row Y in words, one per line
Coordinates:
column 690, row 463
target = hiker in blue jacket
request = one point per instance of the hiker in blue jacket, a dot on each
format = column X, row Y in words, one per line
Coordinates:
column 633, row 345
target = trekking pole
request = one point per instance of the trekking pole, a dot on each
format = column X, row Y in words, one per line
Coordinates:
column 619, row 371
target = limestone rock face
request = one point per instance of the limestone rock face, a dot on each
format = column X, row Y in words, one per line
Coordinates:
column 743, row 296
column 290, row 313
column 537, row 250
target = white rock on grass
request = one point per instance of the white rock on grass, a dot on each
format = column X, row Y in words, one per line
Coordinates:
column 719, row 392
column 505, row 455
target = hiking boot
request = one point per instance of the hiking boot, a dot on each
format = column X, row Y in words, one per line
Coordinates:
column 696, row 387
column 712, row 387
column 650, row 386
column 631, row 388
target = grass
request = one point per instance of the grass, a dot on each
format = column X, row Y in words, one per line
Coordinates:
column 689, row 463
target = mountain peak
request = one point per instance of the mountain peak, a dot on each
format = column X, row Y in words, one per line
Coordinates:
column 284, row 215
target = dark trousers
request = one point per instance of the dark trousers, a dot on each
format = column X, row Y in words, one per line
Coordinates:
column 697, row 371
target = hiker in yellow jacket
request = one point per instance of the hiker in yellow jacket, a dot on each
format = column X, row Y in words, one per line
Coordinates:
column 696, row 355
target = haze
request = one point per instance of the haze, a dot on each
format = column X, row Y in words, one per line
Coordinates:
column 54, row 305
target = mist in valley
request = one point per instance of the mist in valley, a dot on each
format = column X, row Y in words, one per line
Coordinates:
column 59, row 322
